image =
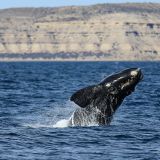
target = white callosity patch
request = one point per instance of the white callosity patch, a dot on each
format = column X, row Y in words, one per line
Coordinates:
column 134, row 73
column 125, row 84
column 117, row 79
column 108, row 84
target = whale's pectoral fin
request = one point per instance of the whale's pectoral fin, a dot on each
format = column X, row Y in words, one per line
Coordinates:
column 86, row 95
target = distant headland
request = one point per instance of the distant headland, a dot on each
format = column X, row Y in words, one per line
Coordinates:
column 129, row 31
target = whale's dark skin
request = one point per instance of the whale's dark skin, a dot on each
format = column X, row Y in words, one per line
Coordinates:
column 99, row 102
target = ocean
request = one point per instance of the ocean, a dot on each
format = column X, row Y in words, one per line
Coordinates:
column 35, row 107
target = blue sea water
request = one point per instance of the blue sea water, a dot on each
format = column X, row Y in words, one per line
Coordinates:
column 34, row 96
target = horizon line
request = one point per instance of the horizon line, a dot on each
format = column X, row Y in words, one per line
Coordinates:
column 74, row 5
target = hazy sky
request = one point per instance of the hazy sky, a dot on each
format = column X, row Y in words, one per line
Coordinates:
column 54, row 3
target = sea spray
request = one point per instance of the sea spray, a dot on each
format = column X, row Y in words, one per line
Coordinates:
column 62, row 123
column 84, row 117
column 55, row 116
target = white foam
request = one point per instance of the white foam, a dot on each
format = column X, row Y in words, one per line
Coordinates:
column 62, row 123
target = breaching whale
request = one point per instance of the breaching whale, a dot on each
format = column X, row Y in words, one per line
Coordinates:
column 98, row 103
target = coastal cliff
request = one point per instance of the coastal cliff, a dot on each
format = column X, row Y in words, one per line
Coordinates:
column 97, row 32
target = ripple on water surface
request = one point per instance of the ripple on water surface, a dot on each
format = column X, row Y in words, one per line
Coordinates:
column 35, row 108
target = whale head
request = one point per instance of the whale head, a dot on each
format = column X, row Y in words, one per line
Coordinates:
column 123, row 82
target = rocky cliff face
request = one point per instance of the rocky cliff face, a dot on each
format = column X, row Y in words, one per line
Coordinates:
column 98, row 32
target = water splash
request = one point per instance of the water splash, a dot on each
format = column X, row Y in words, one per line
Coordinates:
column 55, row 116
column 85, row 117
column 66, row 115
column 62, row 123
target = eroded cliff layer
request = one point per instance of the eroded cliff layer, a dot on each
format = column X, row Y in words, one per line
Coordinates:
column 98, row 32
